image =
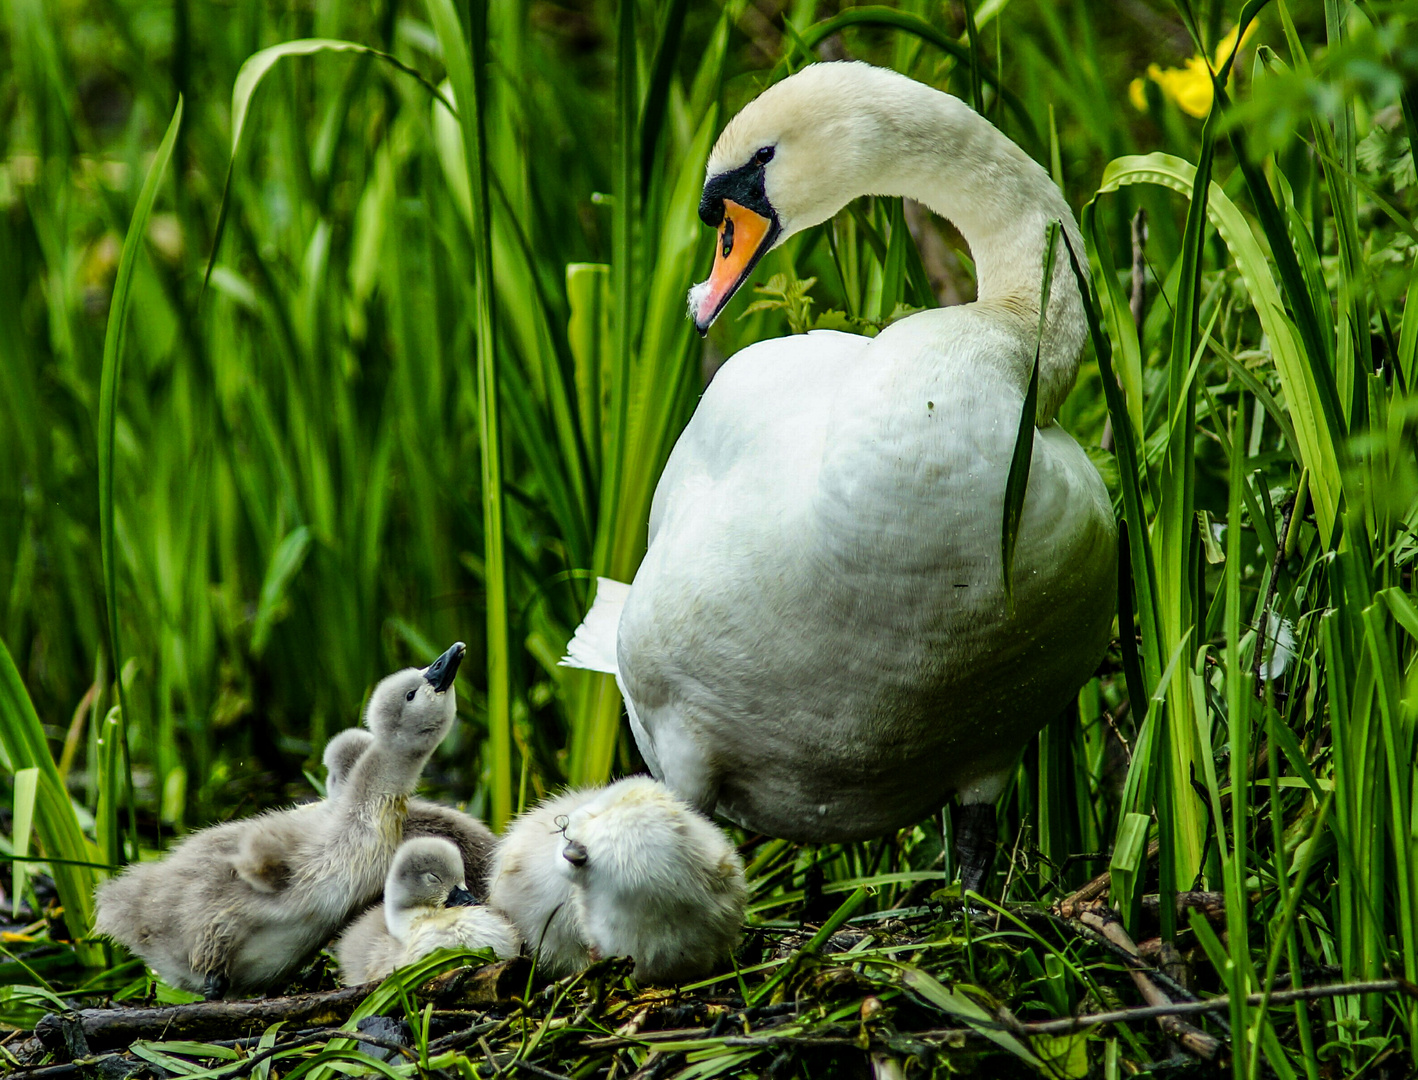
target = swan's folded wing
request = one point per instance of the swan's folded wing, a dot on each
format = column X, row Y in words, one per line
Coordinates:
column 593, row 645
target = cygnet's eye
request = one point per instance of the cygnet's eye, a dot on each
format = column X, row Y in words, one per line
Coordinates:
column 410, row 695
column 763, row 155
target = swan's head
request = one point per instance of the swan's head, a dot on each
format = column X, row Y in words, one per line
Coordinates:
column 427, row 873
column 792, row 158
column 412, row 710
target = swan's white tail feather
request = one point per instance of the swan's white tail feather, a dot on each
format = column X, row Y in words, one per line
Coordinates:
column 593, row 645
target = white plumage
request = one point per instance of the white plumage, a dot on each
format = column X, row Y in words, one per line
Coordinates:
column 817, row 644
column 628, row 870
column 653, row 879
column 530, row 884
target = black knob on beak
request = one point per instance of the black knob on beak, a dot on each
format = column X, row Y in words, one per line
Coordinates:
column 574, row 852
column 443, row 670
column 460, row 897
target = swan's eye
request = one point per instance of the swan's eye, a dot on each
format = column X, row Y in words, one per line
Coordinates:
column 763, row 156
column 410, row 695
column 728, row 235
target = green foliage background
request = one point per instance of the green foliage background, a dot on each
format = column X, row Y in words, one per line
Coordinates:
column 277, row 487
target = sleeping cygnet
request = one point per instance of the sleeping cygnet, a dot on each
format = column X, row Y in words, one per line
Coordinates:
column 653, row 879
column 529, row 884
column 234, row 908
column 473, row 839
column 426, row 907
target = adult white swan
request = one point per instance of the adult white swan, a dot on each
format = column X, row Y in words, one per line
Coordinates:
column 818, row 644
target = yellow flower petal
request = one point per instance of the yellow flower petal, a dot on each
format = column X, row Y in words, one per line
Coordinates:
column 1137, row 94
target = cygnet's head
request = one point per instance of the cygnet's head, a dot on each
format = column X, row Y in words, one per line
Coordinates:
column 412, row 710
column 340, row 756
column 632, row 834
column 792, row 158
column 427, row 872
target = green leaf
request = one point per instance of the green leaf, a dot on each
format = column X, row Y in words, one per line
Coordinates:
column 250, row 76
column 1315, row 428
column 285, row 564
column 466, row 61
column 115, row 335
column 954, row 1003
column 26, row 782
column 1017, row 483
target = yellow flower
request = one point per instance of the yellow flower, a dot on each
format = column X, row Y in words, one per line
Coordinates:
column 1189, row 86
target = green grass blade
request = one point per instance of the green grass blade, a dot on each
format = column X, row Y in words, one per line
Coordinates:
column 250, row 77
column 1313, row 410
column 56, row 822
column 113, row 343
column 1016, row 484
column 466, row 58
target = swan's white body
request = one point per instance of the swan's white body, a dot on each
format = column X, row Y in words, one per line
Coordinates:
column 818, row 642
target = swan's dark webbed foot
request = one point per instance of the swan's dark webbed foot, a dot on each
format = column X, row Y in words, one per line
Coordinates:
column 215, row 987
column 975, row 832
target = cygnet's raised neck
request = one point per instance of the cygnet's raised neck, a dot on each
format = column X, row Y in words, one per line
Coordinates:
column 810, row 144
column 409, row 714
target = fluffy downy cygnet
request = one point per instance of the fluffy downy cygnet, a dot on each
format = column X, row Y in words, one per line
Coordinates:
column 426, row 906
column 653, row 879
column 234, row 908
column 529, row 883
column 473, row 839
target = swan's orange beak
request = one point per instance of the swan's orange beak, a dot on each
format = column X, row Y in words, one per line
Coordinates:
column 743, row 237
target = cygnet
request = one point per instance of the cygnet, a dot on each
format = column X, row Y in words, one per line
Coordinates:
column 529, row 883
column 426, row 906
column 234, row 908
column 628, row 870
column 655, row 880
column 473, row 839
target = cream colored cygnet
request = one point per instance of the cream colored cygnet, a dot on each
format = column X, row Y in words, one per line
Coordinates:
column 427, row 906
column 629, row 870
column 653, row 879
column 530, row 885
column 234, row 908
column 473, row 839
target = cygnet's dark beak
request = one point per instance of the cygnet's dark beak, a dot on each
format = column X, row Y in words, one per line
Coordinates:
column 460, row 897
column 574, row 852
column 443, row 670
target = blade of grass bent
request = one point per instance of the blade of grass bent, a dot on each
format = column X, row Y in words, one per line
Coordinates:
column 114, row 337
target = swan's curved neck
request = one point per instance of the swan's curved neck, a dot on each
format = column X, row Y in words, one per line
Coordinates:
column 934, row 148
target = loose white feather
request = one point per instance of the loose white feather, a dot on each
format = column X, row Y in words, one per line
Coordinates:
column 593, row 645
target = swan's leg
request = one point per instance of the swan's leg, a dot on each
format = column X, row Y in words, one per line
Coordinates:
column 973, row 822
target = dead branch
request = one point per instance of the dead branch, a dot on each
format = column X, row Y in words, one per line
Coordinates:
column 1096, row 889
column 1195, row 1041
column 104, row 1029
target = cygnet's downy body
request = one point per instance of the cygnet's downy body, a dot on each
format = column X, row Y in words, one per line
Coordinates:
column 234, row 908
column 653, row 879
column 427, row 906
column 473, row 839
column 530, row 884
